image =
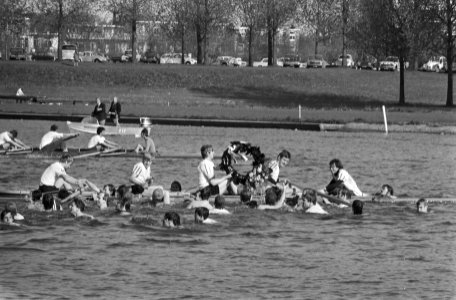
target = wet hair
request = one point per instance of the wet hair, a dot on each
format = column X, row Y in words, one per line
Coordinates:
column 245, row 195
column 10, row 207
column 292, row 202
column 284, row 153
column 205, row 150
column 54, row 127
column 48, row 201
column 112, row 189
column 157, row 195
column 219, row 202
column 62, row 194
column 14, row 133
column 66, row 158
column 357, row 207
column 173, row 217
column 421, row 200
column 145, row 132
column 36, row 195
column 310, row 196
column 176, row 186
column 137, row 189
column 337, row 163
column 100, row 129
column 389, row 188
column 272, row 195
column 79, row 204
column 202, row 212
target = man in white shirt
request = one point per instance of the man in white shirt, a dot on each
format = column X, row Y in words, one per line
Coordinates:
column 9, row 140
column 53, row 140
column 100, row 142
column 142, row 179
column 55, row 177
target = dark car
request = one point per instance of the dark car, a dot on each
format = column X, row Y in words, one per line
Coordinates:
column 367, row 62
column 293, row 61
column 43, row 55
column 17, row 54
column 150, row 58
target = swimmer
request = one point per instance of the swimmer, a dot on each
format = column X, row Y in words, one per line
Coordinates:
column 422, row 206
column 310, row 204
column 386, row 194
column 219, row 206
column 50, row 204
column 10, row 214
column 274, row 167
column 171, row 219
column 274, row 198
column 202, row 216
column 77, row 207
column 357, row 207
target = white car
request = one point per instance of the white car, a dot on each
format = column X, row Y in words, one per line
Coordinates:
column 264, row 62
column 238, row 62
column 349, row 62
column 176, row 58
column 90, row 56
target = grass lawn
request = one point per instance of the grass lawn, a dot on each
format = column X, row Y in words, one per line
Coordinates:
column 220, row 92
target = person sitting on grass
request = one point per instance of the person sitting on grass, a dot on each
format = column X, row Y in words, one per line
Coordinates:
column 9, row 141
column 171, row 219
column 100, row 143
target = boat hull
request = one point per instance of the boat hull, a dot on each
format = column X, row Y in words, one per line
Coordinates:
column 109, row 129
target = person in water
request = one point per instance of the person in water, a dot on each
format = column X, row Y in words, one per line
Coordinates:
column 274, row 198
column 202, row 216
column 274, row 166
column 171, row 219
column 357, row 207
column 341, row 180
column 310, row 204
column 422, row 206
column 219, row 206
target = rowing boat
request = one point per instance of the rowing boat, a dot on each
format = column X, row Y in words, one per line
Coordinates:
column 90, row 125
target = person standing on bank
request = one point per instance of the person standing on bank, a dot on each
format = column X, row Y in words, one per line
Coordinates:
column 99, row 112
column 114, row 111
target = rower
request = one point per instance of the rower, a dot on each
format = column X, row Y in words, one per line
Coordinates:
column 149, row 144
column 55, row 177
column 9, row 140
column 53, row 140
column 99, row 142
column 142, row 180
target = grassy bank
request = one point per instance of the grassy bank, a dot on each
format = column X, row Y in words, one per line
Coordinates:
column 221, row 92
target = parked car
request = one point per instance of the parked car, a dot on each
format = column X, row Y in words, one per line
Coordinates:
column 17, row 54
column 224, row 61
column 391, row 63
column 238, row 62
column 437, row 64
column 349, row 63
column 43, row 55
column 176, row 58
column 316, row 61
column 90, row 56
column 264, row 62
column 367, row 62
column 150, row 57
column 293, row 61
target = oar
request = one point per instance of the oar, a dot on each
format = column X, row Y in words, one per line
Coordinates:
column 94, row 153
column 77, row 193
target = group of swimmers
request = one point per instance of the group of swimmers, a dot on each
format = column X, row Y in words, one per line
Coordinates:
column 58, row 188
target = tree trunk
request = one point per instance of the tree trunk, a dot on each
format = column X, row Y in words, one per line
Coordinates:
column 270, row 47
column 133, row 40
column 199, row 42
column 250, row 45
column 59, row 31
column 401, row 81
column 183, row 44
column 450, row 45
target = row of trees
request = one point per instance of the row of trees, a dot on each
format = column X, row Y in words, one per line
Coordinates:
column 405, row 28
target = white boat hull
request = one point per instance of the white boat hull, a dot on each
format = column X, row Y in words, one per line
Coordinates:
column 109, row 130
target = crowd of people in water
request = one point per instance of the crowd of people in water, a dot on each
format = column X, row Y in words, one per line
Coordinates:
column 260, row 188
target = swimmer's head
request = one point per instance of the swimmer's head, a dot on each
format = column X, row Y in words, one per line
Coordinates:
column 201, row 214
column 171, row 219
column 421, row 206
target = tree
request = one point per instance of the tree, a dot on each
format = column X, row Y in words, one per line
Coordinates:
column 277, row 13
column 129, row 12
column 13, row 15
column 250, row 16
column 60, row 16
column 444, row 12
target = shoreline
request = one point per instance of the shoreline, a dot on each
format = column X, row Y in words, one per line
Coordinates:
column 290, row 125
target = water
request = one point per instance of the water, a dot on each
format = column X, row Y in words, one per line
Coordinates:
column 388, row 253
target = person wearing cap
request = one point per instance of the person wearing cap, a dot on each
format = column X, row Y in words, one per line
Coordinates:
column 53, row 140
column 99, row 142
column 55, row 177
column 9, row 140
column 149, row 144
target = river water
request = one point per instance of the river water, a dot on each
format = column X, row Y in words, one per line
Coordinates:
column 389, row 253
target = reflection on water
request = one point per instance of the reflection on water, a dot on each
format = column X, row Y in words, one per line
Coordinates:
column 390, row 252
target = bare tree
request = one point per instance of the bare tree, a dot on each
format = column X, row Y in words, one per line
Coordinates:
column 444, row 12
column 13, row 15
column 250, row 14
